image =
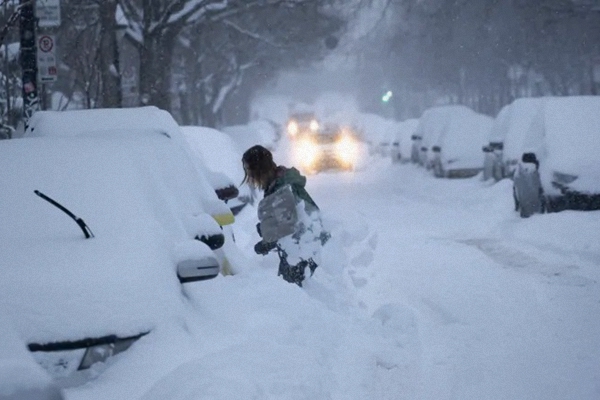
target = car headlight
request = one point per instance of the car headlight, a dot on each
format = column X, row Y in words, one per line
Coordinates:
column 306, row 152
column 314, row 125
column 346, row 149
column 293, row 128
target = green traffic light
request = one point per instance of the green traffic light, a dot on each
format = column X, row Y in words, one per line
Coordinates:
column 387, row 96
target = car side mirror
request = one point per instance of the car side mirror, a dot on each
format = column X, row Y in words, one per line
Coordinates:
column 227, row 193
column 197, row 269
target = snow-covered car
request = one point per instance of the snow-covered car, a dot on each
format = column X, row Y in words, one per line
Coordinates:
column 332, row 147
column 100, row 228
column 456, row 152
column 402, row 145
column 222, row 157
column 376, row 131
column 505, row 144
column 121, row 123
column 431, row 125
column 563, row 140
column 21, row 378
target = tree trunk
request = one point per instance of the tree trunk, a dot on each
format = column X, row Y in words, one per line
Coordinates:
column 110, row 73
column 156, row 55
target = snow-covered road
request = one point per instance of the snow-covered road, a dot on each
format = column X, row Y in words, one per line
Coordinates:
column 497, row 307
column 429, row 289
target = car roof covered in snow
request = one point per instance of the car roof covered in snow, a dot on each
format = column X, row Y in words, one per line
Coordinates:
column 97, row 121
column 217, row 149
column 434, row 120
column 124, row 123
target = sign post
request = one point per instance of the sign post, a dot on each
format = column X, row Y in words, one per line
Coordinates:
column 31, row 101
column 46, row 58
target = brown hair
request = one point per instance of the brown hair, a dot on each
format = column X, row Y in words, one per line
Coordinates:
column 259, row 167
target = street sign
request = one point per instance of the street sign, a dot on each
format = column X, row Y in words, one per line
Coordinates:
column 46, row 58
column 48, row 13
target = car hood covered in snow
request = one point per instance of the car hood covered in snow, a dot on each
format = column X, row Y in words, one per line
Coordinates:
column 139, row 200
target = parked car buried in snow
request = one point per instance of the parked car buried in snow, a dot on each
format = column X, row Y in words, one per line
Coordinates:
column 431, row 125
column 563, row 140
column 84, row 289
column 456, row 152
column 506, row 141
column 403, row 140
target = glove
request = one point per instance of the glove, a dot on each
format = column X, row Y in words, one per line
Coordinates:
column 258, row 229
column 263, row 248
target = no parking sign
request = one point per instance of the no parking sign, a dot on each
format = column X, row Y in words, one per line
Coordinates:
column 46, row 58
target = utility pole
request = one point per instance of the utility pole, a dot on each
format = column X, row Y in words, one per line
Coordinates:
column 31, row 101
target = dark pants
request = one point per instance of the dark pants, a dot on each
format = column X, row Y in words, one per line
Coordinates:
column 294, row 273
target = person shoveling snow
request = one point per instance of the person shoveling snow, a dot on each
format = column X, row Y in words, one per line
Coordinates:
column 290, row 221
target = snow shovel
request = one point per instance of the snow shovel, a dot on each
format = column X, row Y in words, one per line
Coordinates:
column 277, row 214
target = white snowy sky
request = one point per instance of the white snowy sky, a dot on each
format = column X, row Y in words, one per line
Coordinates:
column 429, row 289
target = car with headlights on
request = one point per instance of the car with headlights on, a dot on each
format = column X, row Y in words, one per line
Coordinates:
column 332, row 147
column 302, row 123
column 103, row 228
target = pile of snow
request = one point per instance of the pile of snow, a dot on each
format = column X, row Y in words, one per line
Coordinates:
column 20, row 376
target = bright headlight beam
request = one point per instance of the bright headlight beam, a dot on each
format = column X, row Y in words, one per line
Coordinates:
column 306, row 152
column 292, row 128
column 346, row 149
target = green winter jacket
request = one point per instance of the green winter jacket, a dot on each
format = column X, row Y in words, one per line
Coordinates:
column 292, row 177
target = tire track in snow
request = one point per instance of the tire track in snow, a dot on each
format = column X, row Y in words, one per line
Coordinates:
column 518, row 259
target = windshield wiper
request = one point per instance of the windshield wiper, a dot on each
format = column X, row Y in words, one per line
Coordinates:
column 86, row 229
